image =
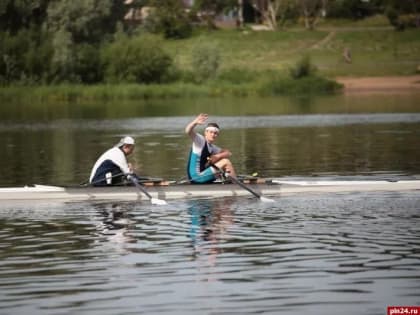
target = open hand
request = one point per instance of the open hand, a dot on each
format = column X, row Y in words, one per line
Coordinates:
column 201, row 119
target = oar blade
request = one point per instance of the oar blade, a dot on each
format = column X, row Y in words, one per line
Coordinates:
column 154, row 201
column 265, row 199
column 159, row 202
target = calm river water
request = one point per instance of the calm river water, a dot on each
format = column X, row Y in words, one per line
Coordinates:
column 306, row 254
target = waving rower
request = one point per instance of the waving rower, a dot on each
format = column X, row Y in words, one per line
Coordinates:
column 205, row 153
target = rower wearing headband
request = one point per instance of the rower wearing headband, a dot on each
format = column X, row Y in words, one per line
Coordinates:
column 204, row 153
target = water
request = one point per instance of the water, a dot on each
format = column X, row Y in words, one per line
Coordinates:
column 348, row 253
column 301, row 255
column 63, row 151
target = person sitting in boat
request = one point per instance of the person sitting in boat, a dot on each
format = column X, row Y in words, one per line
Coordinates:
column 112, row 167
column 204, row 153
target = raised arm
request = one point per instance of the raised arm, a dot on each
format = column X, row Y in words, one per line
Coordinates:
column 199, row 120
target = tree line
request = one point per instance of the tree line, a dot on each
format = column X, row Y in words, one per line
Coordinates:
column 81, row 41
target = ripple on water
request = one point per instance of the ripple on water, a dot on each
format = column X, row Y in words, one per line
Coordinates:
column 302, row 254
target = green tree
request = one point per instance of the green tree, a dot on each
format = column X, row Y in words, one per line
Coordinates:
column 18, row 14
column 136, row 60
column 86, row 21
column 78, row 28
column 170, row 18
column 24, row 56
column 63, row 60
column 402, row 14
column 87, row 65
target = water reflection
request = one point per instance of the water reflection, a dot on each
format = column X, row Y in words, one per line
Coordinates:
column 235, row 106
column 210, row 222
column 66, row 156
column 117, row 223
column 158, row 125
column 303, row 254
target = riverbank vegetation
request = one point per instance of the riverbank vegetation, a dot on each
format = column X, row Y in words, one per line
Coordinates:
column 68, row 51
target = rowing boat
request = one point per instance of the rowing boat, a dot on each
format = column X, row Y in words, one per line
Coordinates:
column 272, row 187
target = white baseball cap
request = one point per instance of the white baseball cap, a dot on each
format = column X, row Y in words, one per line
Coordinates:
column 125, row 140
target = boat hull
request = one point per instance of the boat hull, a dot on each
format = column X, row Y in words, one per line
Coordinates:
column 187, row 191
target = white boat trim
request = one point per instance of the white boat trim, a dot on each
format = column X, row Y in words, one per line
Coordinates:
column 273, row 188
column 35, row 188
column 342, row 182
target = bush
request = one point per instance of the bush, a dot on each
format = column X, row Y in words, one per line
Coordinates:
column 402, row 14
column 392, row 16
column 136, row 60
column 88, row 63
column 206, row 61
column 303, row 68
column 353, row 9
column 283, row 85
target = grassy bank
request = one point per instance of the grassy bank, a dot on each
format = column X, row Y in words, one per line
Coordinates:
column 264, row 86
column 259, row 63
column 375, row 50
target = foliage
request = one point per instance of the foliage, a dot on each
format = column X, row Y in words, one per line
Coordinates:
column 403, row 14
column 59, row 41
column 280, row 85
column 270, row 85
column 24, row 57
column 401, row 22
column 85, row 21
column 206, row 59
column 63, row 59
column 303, row 68
column 170, row 19
column 18, row 15
column 136, row 60
column 87, row 64
column 354, row 9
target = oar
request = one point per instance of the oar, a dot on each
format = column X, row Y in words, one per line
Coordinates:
column 239, row 183
column 139, row 179
column 154, row 201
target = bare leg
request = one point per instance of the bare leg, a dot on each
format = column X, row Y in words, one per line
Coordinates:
column 227, row 166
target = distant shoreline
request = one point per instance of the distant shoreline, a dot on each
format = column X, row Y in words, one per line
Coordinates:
column 387, row 84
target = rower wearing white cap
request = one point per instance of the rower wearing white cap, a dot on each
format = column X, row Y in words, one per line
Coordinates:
column 204, row 153
column 112, row 166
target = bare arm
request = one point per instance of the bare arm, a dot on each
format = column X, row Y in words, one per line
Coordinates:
column 224, row 154
column 199, row 120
